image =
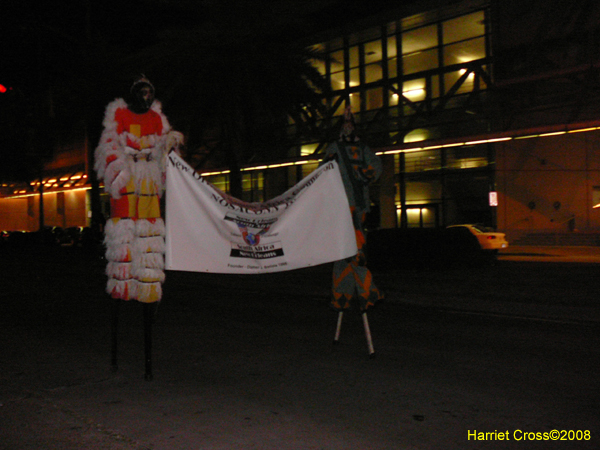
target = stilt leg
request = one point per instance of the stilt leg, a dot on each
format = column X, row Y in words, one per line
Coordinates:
column 368, row 335
column 336, row 339
column 148, row 340
column 114, row 326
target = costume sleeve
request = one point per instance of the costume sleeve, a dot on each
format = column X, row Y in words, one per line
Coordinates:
column 371, row 170
column 110, row 161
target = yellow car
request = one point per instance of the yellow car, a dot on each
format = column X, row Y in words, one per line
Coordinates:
column 488, row 240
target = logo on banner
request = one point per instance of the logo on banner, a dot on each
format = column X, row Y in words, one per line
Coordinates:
column 252, row 229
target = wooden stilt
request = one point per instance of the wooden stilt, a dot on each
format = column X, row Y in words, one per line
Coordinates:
column 114, row 326
column 336, row 339
column 148, row 340
column 368, row 335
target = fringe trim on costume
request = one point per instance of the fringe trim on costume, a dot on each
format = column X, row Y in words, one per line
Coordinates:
column 123, row 253
column 122, row 289
column 119, row 231
column 147, row 228
column 152, row 260
column 149, row 292
column 148, row 275
column 152, row 244
column 119, row 270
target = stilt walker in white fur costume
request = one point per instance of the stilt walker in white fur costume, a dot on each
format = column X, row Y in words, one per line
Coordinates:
column 131, row 159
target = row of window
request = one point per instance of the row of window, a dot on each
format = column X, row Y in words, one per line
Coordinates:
column 355, row 68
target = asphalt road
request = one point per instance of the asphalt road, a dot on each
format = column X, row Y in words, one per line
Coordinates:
column 510, row 350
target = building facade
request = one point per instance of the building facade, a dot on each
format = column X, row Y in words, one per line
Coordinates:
column 483, row 111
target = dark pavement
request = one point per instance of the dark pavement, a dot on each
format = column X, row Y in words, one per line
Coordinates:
column 247, row 362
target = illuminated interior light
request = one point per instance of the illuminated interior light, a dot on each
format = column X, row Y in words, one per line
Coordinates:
column 274, row 166
column 24, row 194
column 414, row 93
column 581, row 130
column 596, row 206
column 556, row 133
column 76, row 177
column 412, row 150
column 208, row 174
column 457, row 144
column 247, row 169
column 528, row 136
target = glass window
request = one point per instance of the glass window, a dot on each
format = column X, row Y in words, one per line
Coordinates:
column 422, row 161
column 393, row 67
column 414, row 90
column 221, row 182
column 355, row 103
column 374, row 98
column 337, row 81
column 420, row 61
column 391, row 47
column 596, row 197
column 355, row 77
column 309, row 168
column 252, row 186
column 467, row 157
column 465, row 51
column 450, row 79
column 353, row 56
column 419, row 39
column 393, row 97
column 309, row 149
column 392, row 54
column 464, row 27
column 423, row 191
column 340, row 110
column 373, row 72
column 337, row 70
column 337, row 61
column 372, row 52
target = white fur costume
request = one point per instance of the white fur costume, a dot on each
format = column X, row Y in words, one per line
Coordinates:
column 131, row 159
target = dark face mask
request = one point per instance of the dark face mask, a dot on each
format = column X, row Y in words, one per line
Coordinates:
column 141, row 99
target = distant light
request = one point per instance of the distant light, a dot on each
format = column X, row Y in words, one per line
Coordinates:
column 3, row 89
column 493, row 198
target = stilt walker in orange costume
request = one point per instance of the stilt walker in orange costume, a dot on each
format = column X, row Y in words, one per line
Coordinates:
column 131, row 159
column 352, row 280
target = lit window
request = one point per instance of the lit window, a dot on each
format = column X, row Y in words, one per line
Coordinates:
column 373, row 72
column 420, row 61
column 465, row 51
column 306, row 150
column 372, row 52
column 419, row 39
column 374, row 98
column 414, row 90
column 464, row 27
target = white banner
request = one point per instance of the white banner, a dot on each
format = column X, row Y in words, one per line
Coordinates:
column 210, row 231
